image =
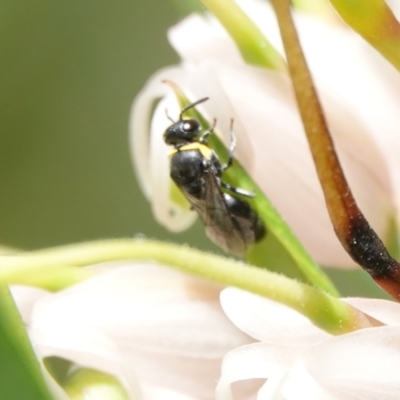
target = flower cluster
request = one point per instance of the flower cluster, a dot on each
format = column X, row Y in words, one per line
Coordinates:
column 300, row 361
column 163, row 334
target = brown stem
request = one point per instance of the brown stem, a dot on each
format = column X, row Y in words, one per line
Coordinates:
column 350, row 225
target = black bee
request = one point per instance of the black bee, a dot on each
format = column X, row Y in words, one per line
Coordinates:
column 230, row 222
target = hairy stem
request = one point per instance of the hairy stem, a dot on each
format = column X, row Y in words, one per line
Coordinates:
column 350, row 225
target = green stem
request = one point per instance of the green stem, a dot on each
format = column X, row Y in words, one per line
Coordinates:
column 351, row 227
column 376, row 23
column 30, row 271
column 20, row 374
column 325, row 311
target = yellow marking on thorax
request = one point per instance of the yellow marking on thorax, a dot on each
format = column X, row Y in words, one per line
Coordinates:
column 204, row 150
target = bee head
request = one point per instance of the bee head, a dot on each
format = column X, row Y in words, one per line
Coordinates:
column 183, row 131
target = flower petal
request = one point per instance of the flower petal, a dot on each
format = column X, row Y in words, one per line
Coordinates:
column 359, row 365
column 146, row 150
column 62, row 337
column 196, row 39
column 151, row 392
column 167, row 327
column 153, row 308
column 269, row 321
column 169, row 214
column 385, row 311
column 25, row 297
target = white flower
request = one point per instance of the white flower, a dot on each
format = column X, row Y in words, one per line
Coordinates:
column 161, row 333
column 359, row 92
column 299, row 361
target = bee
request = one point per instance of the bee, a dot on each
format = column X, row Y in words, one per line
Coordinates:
column 230, row 222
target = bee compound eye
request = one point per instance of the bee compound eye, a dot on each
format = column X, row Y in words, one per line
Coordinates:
column 191, row 125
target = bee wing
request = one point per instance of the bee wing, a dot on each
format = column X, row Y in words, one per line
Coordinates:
column 221, row 227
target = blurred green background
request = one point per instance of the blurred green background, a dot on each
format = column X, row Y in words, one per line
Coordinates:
column 69, row 72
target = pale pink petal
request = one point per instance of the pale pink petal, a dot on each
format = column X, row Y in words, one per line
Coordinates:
column 298, row 384
column 395, row 6
column 362, row 88
column 142, row 323
column 140, row 125
column 271, row 389
column 259, row 360
column 25, row 297
column 197, row 39
column 255, row 361
column 269, row 321
column 151, row 308
column 173, row 216
column 81, row 344
column 193, row 376
column 144, row 148
column 157, row 392
column 385, row 311
column 359, row 365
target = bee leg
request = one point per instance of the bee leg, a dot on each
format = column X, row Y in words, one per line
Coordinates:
column 237, row 190
column 206, row 134
column 231, row 150
column 224, row 167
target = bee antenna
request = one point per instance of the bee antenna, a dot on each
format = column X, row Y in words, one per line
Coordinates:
column 166, row 113
column 191, row 106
